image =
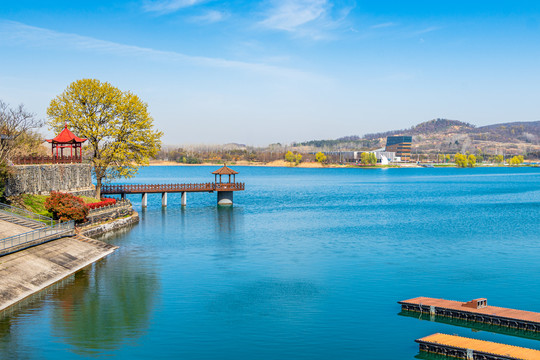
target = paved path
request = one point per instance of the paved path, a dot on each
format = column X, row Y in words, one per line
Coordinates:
column 8, row 229
column 28, row 271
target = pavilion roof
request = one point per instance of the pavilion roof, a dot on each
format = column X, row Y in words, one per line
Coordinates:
column 225, row 170
column 66, row 137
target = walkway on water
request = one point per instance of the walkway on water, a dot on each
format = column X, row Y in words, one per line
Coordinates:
column 467, row 348
column 224, row 190
column 476, row 310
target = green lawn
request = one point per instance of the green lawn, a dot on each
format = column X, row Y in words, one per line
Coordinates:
column 36, row 203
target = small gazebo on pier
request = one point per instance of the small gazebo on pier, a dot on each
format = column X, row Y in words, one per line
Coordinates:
column 225, row 170
column 66, row 140
column 225, row 194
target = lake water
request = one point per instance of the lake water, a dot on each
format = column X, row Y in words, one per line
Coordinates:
column 308, row 264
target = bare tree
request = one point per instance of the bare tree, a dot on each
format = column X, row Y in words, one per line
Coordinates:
column 15, row 123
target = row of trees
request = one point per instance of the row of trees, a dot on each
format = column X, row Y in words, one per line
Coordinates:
column 462, row 160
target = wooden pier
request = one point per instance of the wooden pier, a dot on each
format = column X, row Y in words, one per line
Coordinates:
column 223, row 189
column 472, row 349
column 476, row 310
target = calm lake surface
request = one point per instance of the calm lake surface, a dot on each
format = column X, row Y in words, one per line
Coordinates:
column 308, row 264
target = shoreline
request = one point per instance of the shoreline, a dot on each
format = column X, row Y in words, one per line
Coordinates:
column 315, row 165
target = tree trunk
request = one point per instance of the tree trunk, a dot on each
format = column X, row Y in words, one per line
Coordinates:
column 98, row 187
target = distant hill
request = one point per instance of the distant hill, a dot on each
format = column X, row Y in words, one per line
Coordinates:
column 444, row 135
column 427, row 127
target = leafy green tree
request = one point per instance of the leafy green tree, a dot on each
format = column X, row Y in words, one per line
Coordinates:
column 447, row 157
column 372, row 159
column 320, row 157
column 460, row 160
column 290, row 157
column 364, row 158
column 119, row 129
column 516, row 160
column 368, row 158
column 298, row 159
column 499, row 159
column 471, row 160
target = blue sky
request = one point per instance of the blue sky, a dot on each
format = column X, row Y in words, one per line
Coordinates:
column 258, row 72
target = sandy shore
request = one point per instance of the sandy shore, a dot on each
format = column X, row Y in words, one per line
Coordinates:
column 277, row 163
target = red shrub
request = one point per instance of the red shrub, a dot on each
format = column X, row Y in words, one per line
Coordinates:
column 104, row 202
column 66, row 207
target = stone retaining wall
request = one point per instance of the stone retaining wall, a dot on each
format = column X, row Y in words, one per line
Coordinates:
column 95, row 230
column 120, row 209
column 42, row 179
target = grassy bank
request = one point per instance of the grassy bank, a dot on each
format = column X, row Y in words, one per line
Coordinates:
column 36, row 203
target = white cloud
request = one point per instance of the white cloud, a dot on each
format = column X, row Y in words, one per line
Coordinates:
column 16, row 33
column 168, row 6
column 288, row 15
column 211, row 16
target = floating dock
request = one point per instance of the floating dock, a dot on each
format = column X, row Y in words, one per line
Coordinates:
column 472, row 349
column 475, row 310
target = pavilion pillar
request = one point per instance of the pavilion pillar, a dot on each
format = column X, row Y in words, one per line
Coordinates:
column 184, row 198
column 123, row 195
column 164, row 199
column 225, row 198
column 144, row 202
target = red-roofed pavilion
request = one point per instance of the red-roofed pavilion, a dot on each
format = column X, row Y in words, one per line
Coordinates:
column 66, row 139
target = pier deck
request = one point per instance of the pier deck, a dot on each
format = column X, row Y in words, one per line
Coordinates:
column 466, row 348
column 476, row 310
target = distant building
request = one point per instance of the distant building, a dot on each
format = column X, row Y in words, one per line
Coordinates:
column 401, row 145
column 384, row 157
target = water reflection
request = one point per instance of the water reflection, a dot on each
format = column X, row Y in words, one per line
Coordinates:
column 106, row 305
column 13, row 345
column 229, row 219
column 474, row 326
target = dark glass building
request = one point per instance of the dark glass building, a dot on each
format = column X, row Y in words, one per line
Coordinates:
column 401, row 145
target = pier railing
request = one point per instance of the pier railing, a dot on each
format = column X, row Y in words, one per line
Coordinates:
column 35, row 237
column 31, row 160
column 161, row 188
column 25, row 214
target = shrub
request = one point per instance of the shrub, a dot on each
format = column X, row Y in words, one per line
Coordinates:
column 65, row 207
column 104, row 202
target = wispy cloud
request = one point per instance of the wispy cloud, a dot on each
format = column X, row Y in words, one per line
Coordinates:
column 383, row 25
column 426, row 30
column 22, row 34
column 162, row 7
column 209, row 17
column 288, row 15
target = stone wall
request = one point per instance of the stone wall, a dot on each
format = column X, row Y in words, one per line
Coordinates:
column 112, row 212
column 42, row 179
column 123, row 223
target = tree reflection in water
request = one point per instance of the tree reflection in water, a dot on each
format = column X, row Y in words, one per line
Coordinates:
column 107, row 305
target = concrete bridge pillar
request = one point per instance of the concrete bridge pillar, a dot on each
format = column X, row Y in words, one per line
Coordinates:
column 164, row 199
column 144, row 200
column 184, row 198
column 225, row 197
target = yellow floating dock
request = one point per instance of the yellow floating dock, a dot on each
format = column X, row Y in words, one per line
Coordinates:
column 466, row 348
